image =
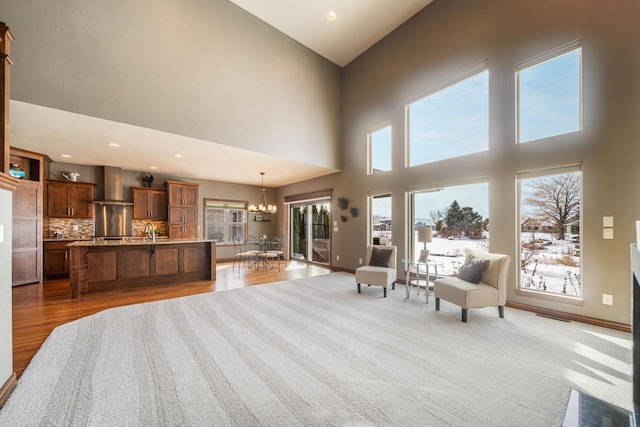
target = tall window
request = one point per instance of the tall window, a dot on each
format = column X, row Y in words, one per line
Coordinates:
column 381, row 218
column 459, row 218
column 451, row 122
column 550, row 231
column 225, row 220
column 380, row 150
column 549, row 94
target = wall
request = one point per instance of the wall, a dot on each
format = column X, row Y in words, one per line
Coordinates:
column 449, row 36
column 207, row 189
column 6, row 342
column 199, row 68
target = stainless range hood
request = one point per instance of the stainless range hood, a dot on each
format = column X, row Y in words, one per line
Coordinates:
column 113, row 215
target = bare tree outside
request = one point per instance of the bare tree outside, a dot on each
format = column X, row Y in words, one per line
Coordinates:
column 557, row 200
column 550, row 233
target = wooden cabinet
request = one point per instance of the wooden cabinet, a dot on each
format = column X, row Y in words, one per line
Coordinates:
column 66, row 199
column 149, row 203
column 182, row 193
column 56, row 260
column 96, row 267
column 27, row 217
column 182, row 209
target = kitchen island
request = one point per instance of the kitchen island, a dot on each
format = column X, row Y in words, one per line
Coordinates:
column 115, row 264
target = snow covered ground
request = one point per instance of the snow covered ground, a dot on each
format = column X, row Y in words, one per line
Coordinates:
column 557, row 269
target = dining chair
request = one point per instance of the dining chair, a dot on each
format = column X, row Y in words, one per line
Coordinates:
column 241, row 254
column 272, row 252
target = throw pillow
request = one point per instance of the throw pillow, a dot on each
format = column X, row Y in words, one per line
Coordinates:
column 380, row 257
column 473, row 269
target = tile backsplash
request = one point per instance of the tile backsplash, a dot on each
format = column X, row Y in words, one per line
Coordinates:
column 85, row 227
column 137, row 227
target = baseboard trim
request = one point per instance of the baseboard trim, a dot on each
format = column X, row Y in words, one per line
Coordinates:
column 570, row 316
column 7, row 388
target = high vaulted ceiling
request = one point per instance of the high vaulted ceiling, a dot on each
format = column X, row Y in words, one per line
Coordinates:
column 359, row 24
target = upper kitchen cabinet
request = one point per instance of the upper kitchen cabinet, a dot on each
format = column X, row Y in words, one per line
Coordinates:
column 66, row 199
column 149, row 203
column 182, row 193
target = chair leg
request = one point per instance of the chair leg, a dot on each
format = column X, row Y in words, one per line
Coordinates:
column 358, row 287
column 501, row 311
column 393, row 286
column 437, row 303
column 464, row 314
column 384, row 291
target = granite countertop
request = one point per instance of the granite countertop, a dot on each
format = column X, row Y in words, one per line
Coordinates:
column 65, row 239
column 135, row 241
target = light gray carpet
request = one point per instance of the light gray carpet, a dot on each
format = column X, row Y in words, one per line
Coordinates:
column 314, row 352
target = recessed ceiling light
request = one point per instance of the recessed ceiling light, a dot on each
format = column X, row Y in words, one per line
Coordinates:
column 65, row 155
column 177, row 155
column 331, row 16
column 113, row 144
column 153, row 167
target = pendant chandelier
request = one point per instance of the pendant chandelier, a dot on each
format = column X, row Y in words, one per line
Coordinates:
column 262, row 204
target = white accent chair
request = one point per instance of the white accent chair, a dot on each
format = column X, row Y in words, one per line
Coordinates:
column 491, row 291
column 378, row 275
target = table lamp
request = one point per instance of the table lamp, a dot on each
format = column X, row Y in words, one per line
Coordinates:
column 424, row 236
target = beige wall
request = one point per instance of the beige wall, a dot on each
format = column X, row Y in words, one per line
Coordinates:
column 6, row 343
column 449, row 36
column 199, row 68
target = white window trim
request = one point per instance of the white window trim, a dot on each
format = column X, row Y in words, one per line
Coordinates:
column 456, row 78
column 538, row 173
column 226, row 208
column 370, row 132
column 541, row 59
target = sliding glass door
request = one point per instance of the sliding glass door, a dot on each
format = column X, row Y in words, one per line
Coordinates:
column 311, row 231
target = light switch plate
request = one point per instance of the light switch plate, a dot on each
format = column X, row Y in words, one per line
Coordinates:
column 335, row 229
column 607, row 233
column 607, row 221
column 335, row 223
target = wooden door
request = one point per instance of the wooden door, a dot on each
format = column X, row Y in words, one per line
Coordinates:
column 26, row 258
column 190, row 195
column 158, row 205
column 141, row 206
column 58, row 200
column 81, row 200
column 56, row 260
column 175, row 194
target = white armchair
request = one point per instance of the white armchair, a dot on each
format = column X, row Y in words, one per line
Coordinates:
column 491, row 289
column 380, row 269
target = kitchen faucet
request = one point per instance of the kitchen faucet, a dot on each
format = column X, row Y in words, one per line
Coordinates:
column 150, row 229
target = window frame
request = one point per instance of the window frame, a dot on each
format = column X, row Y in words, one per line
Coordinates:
column 371, row 197
column 539, row 60
column 410, row 196
column 540, row 173
column 227, row 206
column 370, row 147
column 453, row 80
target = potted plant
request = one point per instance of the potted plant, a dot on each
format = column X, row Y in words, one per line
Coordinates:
column 147, row 180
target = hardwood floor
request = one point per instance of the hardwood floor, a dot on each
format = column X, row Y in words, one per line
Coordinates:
column 39, row 308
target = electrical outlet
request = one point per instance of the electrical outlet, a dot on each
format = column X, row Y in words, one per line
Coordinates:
column 337, row 257
column 75, row 228
column 360, row 260
column 607, row 299
column 607, row 233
